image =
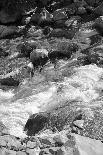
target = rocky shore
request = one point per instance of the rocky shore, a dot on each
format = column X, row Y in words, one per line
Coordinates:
column 51, row 75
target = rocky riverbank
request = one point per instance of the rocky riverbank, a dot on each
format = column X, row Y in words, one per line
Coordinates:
column 54, row 108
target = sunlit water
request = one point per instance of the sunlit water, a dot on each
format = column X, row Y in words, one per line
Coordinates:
column 82, row 86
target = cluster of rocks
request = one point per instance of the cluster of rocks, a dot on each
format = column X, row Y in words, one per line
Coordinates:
column 59, row 143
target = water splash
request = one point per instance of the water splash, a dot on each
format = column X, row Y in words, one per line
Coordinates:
column 81, row 86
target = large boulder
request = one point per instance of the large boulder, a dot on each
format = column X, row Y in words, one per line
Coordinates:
column 59, row 17
column 42, row 17
column 36, row 123
column 39, row 57
column 87, row 146
column 7, row 31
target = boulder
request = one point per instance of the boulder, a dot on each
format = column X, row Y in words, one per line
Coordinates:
column 98, row 24
column 42, row 17
column 59, row 17
column 63, row 49
column 6, row 18
column 7, row 31
column 87, row 146
column 39, row 57
column 60, row 33
column 9, row 81
column 35, row 123
column 3, row 53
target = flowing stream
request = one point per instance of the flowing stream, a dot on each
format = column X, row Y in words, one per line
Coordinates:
column 84, row 85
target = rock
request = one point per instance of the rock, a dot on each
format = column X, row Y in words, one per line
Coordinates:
column 57, row 151
column 88, row 146
column 63, row 49
column 25, row 49
column 5, row 151
column 99, row 25
column 59, row 17
column 34, row 151
column 81, row 10
column 58, row 141
column 47, row 30
column 92, row 2
column 43, row 18
column 3, row 53
column 35, row 123
column 79, row 123
column 74, row 22
column 21, row 153
column 35, row 33
column 2, row 142
column 6, row 17
column 39, row 57
column 60, row 33
column 45, row 151
column 99, row 10
column 31, row 145
column 46, row 142
column 9, row 81
column 6, row 31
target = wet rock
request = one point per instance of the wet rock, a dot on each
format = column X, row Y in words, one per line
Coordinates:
column 43, row 18
column 62, row 50
column 93, row 2
column 58, row 141
column 6, row 17
column 60, row 33
column 35, row 33
column 35, row 151
column 79, row 123
column 9, row 81
column 35, row 123
column 73, row 23
column 99, row 24
column 3, row 53
column 8, row 31
column 21, row 153
column 88, row 146
column 81, row 10
column 99, row 10
column 59, row 17
column 25, row 49
column 5, row 151
column 31, row 145
column 47, row 30
column 46, row 142
column 2, row 142
column 57, row 151
column 45, row 152
column 39, row 57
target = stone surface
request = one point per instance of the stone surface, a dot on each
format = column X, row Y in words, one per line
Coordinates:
column 6, row 31
column 87, row 146
column 31, row 145
column 99, row 24
column 35, row 123
column 39, row 57
column 79, row 123
column 9, row 81
column 8, row 18
column 21, row 153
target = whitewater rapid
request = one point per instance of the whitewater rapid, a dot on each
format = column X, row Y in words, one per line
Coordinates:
column 84, row 85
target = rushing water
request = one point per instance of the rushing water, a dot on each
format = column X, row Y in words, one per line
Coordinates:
column 40, row 94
